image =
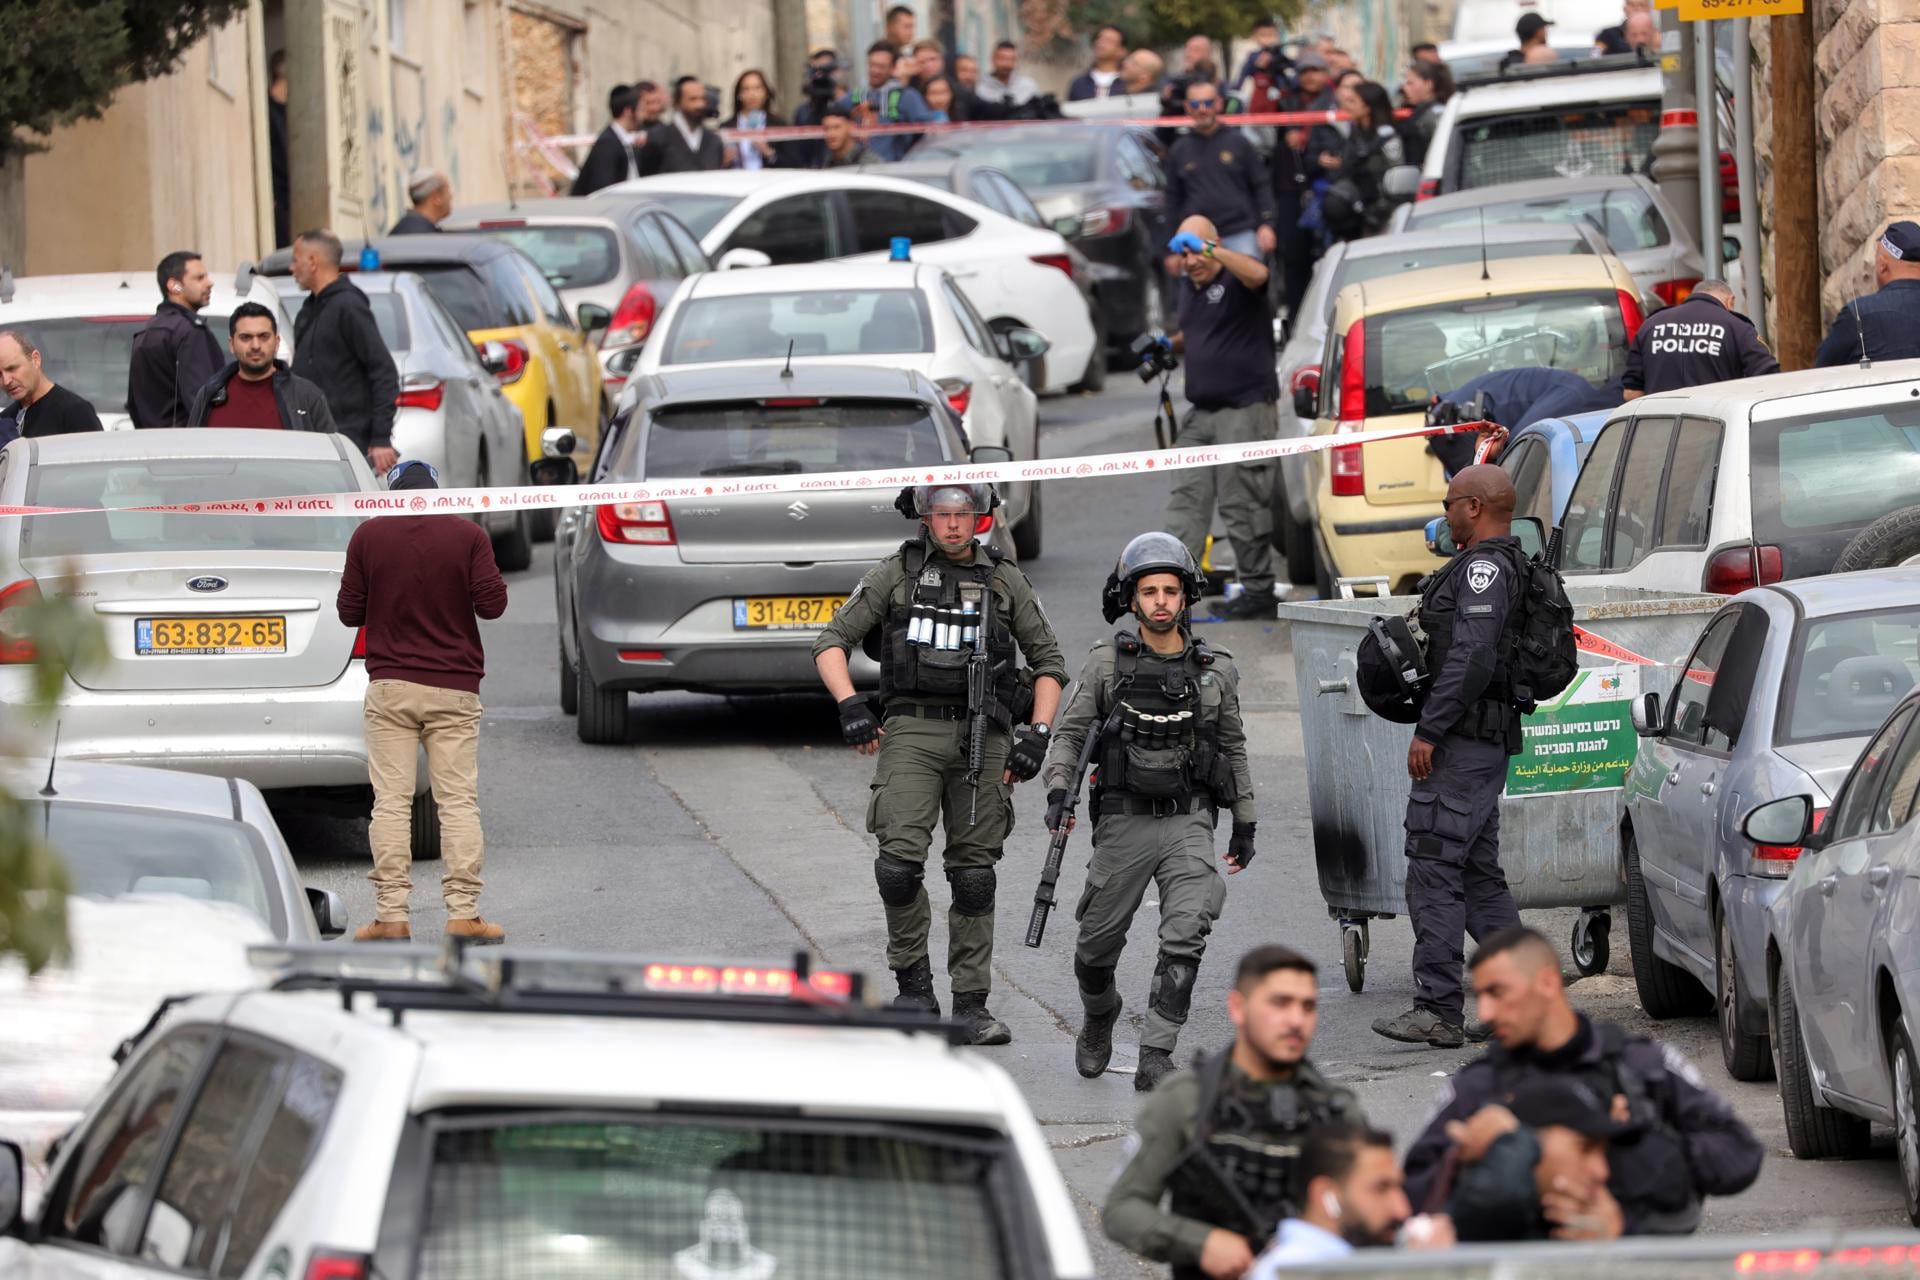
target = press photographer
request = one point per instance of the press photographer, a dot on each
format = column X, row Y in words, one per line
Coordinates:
column 825, row 86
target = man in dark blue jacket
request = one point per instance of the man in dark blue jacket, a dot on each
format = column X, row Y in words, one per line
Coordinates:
column 338, row 347
column 1700, row 341
column 1102, row 79
column 173, row 354
column 1883, row 325
column 1516, row 398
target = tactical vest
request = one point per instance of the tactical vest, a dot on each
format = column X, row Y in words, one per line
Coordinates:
column 937, row 588
column 1241, row 1171
column 1494, row 718
column 1168, row 743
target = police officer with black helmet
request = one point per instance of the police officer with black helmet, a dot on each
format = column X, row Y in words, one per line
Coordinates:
column 1467, row 727
column 1172, row 754
column 1217, row 1166
column 921, row 613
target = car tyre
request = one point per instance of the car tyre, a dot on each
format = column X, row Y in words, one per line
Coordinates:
column 1814, row 1132
column 1747, row 1056
column 569, row 684
column 1666, row 990
column 1027, row 534
column 425, row 845
column 542, row 521
column 602, row 715
column 1893, row 539
column 1904, row 1070
column 1323, row 573
column 1294, row 541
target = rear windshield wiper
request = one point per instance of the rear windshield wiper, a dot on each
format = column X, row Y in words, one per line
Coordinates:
column 784, row 467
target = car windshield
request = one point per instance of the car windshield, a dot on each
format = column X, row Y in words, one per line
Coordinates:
column 1626, row 215
column 1851, row 671
column 571, row 257
column 389, row 316
column 89, row 355
column 113, row 852
column 1357, row 269
column 681, row 1196
column 700, row 213
column 1056, row 160
column 157, row 481
column 1816, row 480
column 762, row 326
column 1562, row 142
column 751, row 438
column 1415, row 355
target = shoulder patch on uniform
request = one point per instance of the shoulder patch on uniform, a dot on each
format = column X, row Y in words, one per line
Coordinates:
column 1476, row 609
column 1482, row 574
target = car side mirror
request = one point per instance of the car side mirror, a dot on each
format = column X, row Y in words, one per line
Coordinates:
column 1027, row 344
column 493, row 357
column 1440, row 538
column 741, row 258
column 1729, row 248
column 13, row 1186
column 988, row 454
column 1647, row 716
column 593, row 317
column 1400, row 183
column 1784, row 822
column 1531, row 533
column 329, row 912
column 558, row 442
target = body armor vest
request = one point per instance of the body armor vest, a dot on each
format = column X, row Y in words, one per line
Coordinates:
column 1488, row 718
column 924, row 646
column 1167, row 744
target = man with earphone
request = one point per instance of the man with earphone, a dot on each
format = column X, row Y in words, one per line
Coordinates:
column 1356, row 1199
column 174, row 354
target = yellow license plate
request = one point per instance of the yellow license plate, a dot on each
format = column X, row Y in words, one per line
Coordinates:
column 204, row 635
column 784, row 613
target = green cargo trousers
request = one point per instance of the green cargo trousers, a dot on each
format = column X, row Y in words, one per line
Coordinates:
column 1176, row 854
column 921, row 780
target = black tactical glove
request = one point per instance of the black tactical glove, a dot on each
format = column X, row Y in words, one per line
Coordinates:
column 1240, row 847
column 1056, row 808
column 858, row 724
column 1029, row 751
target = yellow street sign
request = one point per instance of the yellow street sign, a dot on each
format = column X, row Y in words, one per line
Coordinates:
column 1701, row 10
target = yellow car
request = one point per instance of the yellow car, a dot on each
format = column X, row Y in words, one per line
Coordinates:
column 1394, row 344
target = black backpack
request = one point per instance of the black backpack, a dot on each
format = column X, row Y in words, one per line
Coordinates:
column 1543, row 658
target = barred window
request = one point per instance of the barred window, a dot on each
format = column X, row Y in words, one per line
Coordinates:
column 1586, row 142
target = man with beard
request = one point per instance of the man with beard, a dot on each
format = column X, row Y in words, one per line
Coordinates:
column 1355, row 1199
column 1223, row 1141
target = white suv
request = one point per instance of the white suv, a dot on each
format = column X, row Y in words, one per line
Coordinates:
column 403, row 1112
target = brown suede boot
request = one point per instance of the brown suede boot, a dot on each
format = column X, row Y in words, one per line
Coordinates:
column 384, row 931
column 476, row 932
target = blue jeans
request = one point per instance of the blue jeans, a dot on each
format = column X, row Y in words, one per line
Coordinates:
column 1243, row 242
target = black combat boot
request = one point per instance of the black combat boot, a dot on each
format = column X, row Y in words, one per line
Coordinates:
column 1155, row 1065
column 1094, row 1045
column 916, row 988
column 970, row 1011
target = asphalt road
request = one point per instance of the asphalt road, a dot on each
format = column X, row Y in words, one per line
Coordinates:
column 735, row 828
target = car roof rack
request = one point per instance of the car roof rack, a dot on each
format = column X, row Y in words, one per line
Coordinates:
column 1520, row 72
column 460, row 978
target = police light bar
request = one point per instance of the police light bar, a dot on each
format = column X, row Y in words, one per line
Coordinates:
column 554, row 973
column 378, row 962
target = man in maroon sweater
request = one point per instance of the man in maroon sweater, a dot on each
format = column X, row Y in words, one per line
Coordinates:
column 416, row 583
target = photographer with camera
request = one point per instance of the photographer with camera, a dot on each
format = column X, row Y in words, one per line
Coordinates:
column 824, row 88
column 1226, row 331
column 684, row 144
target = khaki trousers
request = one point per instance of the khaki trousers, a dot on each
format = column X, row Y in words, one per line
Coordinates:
column 402, row 717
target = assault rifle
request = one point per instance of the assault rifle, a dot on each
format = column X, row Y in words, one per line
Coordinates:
column 1057, row 846
column 980, row 702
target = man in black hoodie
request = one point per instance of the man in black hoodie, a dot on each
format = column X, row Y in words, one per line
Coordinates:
column 255, row 389
column 174, row 353
column 338, row 348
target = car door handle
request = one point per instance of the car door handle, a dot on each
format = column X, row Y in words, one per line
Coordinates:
column 1673, row 778
column 1826, row 885
column 1878, row 876
column 1707, row 788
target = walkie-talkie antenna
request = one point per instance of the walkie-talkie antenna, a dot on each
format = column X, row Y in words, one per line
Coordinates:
column 788, row 371
column 1861, row 334
column 53, row 758
column 1484, row 273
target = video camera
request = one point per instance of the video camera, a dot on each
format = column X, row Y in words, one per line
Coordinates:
column 823, row 82
column 1154, row 352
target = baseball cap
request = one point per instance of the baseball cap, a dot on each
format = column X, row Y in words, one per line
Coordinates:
column 1902, row 240
column 1549, row 1100
column 1530, row 25
column 1309, row 62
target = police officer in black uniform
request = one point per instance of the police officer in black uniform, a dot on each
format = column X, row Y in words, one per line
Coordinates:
column 1883, row 325
column 1220, row 1144
column 1700, row 341
column 1468, row 727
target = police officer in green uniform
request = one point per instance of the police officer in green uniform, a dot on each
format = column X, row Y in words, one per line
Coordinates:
column 1173, row 755
column 1216, row 1167
column 919, row 612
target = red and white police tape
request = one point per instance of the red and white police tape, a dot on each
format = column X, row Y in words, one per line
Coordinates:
column 404, row 502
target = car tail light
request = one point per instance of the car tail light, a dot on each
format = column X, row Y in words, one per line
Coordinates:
column 327, row 1264
column 15, row 644
column 959, row 393
column 1348, row 470
column 1058, row 261
column 632, row 319
column 418, row 392
column 1674, row 292
column 793, row 402
column 644, row 523
column 1104, row 221
column 491, row 224
column 1729, row 188
column 1353, row 374
column 1736, row 569
column 516, row 360
column 359, row 643
column 1630, row 313
column 1784, row 853
column 118, row 319
column 1429, row 188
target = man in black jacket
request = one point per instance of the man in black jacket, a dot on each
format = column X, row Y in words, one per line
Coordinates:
column 683, row 144
column 174, row 353
column 255, row 389
column 612, row 158
column 338, row 348
column 39, row 407
column 1216, row 173
column 1700, row 341
column 1884, row 325
column 1677, row 1141
column 431, row 193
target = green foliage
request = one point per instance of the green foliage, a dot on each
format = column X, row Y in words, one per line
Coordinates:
column 33, row 880
column 1162, row 23
column 65, row 59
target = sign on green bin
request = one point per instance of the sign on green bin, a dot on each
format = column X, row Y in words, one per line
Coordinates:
column 1581, row 741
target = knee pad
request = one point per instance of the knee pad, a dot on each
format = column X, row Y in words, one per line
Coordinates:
column 1172, row 990
column 1094, row 979
column 899, row 881
column 973, row 890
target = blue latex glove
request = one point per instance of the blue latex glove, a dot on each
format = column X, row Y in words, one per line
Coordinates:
column 1186, row 242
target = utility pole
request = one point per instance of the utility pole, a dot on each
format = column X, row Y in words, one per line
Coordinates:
column 1706, row 97
column 1796, row 223
column 1748, row 159
column 1676, row 150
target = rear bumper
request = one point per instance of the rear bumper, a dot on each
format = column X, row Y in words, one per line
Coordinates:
column 1365, row 539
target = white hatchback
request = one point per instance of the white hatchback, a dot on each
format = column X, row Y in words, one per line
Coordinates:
column 889, row 314
column 1016, row 276
column 84, row 326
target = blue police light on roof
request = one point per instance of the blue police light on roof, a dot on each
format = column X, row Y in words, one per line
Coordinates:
column 902, row 249
column 369, row 259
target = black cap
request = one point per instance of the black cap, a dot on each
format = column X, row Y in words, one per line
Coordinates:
column 1555, row 1100
column 1902, row 240
column 1529, row 26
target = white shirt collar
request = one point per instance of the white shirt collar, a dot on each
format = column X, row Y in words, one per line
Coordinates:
column 1298, row 1242
column 691, row 135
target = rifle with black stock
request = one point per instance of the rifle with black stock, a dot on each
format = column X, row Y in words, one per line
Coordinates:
column 980, row 702
column 1043, row 901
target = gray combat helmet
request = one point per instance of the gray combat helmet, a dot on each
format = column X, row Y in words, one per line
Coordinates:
column 919, row 500
column 1149, row 553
